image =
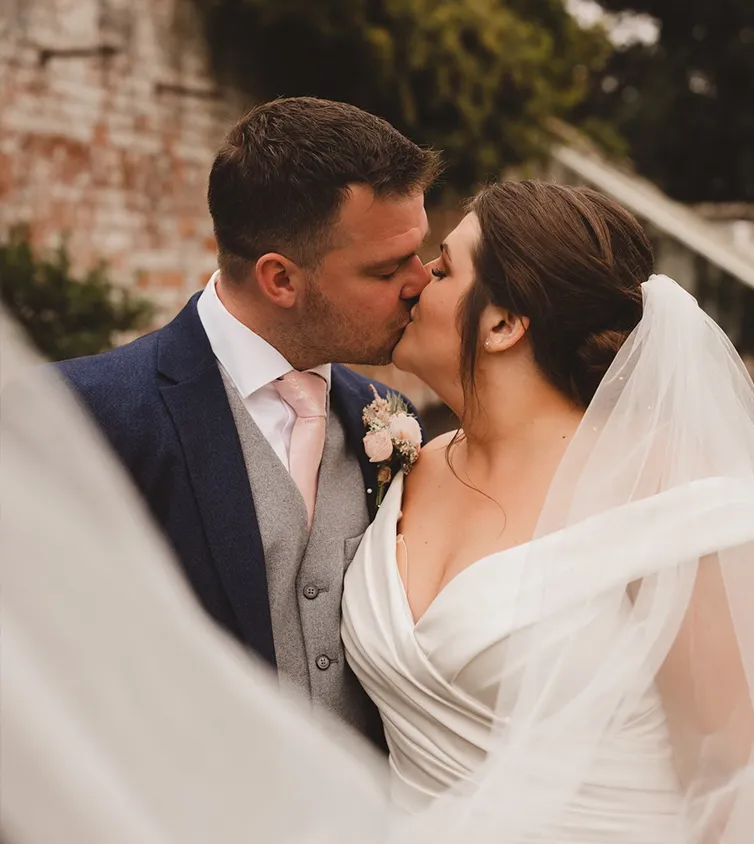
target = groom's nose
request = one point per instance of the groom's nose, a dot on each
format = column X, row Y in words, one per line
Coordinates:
column 415, row 280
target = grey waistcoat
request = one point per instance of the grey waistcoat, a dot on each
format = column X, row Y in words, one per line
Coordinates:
column 305, row 571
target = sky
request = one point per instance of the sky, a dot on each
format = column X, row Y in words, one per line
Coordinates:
column 624, row 29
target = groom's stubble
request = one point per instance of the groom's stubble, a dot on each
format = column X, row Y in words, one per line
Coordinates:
column 334, row 332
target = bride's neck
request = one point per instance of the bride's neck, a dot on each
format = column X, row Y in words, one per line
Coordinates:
column 520, row 417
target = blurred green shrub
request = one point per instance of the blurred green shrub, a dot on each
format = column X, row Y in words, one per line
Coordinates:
column 64, row 315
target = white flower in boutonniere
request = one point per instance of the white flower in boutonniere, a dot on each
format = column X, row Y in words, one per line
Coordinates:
column 391, row 432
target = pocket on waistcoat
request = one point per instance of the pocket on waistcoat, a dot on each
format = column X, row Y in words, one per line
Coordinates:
column 350, row 547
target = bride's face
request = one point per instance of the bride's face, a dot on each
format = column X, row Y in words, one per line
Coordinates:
column 430, row 346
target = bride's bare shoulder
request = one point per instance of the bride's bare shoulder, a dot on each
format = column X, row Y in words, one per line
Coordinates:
column 432, row 458
column 438, row 444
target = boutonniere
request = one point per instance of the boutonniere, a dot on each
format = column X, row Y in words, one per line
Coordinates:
column 391, row 431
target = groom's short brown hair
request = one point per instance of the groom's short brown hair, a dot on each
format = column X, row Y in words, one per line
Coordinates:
column 280, row 178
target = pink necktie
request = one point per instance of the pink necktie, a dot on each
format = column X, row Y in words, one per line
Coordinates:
column 306, row 393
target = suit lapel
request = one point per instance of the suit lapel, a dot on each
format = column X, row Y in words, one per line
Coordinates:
column 198, row 404
column 349, row 396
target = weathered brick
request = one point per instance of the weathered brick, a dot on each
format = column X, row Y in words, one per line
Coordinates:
column 93, row 147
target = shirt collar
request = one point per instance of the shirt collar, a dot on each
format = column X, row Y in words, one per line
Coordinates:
column 251, row 361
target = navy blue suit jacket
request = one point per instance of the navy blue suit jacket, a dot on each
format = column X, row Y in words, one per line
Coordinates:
column 162, row 405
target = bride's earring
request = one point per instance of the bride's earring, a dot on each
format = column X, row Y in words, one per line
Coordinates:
column 486, row 344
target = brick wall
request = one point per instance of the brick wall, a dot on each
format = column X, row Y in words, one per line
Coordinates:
column 108, row 126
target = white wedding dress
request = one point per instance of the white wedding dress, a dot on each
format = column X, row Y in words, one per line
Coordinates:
column 435, row 682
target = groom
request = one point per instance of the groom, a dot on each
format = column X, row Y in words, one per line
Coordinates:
column 236, row 421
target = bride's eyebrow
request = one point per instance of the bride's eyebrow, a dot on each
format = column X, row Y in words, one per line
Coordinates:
column 445, row 250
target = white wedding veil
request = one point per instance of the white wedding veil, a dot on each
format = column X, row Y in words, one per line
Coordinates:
column 127, row 716
column 649, row 521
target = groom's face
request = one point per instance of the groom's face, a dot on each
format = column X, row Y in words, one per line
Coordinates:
column 360, row 297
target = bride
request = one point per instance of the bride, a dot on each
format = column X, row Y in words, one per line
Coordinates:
column 539, row 608
column 552, row 611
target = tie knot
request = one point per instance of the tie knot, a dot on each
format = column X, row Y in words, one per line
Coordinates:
column 305, row 392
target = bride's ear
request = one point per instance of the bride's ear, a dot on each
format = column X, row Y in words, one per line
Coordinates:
column 501, row 329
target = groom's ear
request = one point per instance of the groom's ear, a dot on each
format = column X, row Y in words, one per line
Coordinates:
column 501, row 329
column 280, row 279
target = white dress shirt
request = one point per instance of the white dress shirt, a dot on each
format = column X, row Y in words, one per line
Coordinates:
column 253, row 365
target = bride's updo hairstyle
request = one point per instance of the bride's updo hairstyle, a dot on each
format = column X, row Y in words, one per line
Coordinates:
column 569, row 259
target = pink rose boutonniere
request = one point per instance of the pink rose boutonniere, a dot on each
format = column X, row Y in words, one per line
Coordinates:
column 391, row 432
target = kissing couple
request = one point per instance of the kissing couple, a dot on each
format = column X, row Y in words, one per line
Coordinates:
column 543, row 618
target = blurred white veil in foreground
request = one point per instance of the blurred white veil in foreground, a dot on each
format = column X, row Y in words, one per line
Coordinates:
column 126, row 715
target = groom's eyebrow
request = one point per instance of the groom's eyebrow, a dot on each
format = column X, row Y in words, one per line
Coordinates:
column 391, row 262
column 395, row 262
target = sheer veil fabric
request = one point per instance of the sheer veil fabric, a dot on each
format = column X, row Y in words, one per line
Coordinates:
column 671, row 423
column 127, row 716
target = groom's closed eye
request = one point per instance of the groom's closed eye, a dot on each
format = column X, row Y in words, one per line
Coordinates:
column 388, row 269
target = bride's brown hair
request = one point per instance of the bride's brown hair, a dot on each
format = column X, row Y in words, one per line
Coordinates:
column 573, row 262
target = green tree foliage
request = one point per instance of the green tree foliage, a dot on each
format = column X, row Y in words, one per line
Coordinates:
column 63, row 315
column 475, row 78
column 686, row 104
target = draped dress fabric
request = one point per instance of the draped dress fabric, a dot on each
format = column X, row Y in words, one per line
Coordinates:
column 436, row 681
